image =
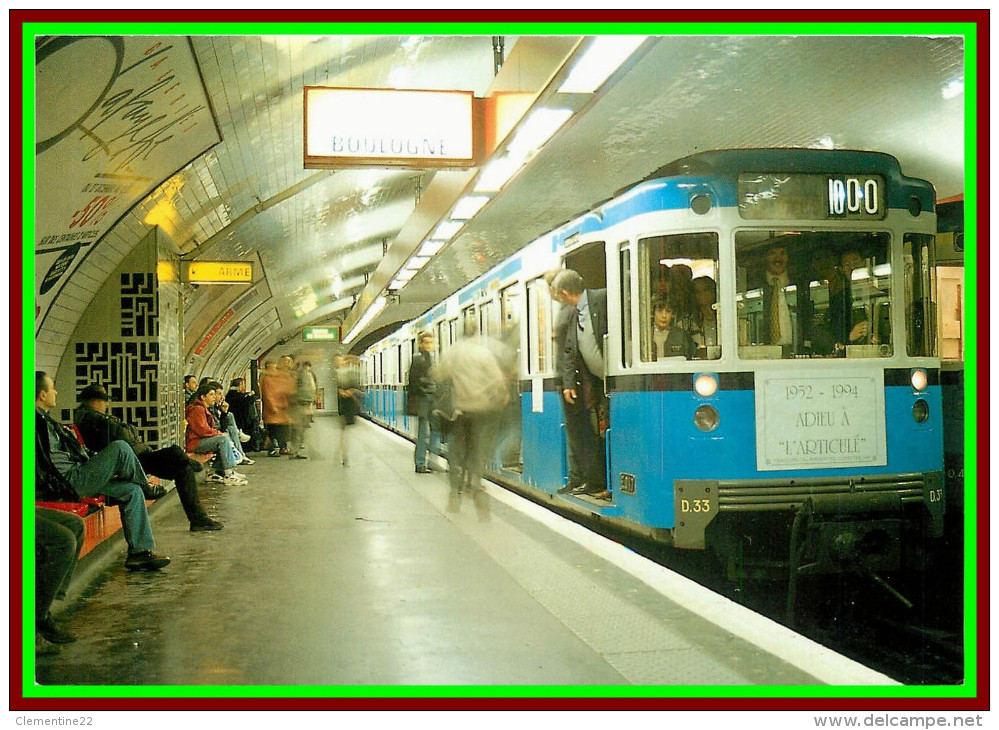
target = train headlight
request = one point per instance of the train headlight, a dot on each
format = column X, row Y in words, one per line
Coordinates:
column 706, row 418
column 705, row 385
column 920, row 411
column 919, row 379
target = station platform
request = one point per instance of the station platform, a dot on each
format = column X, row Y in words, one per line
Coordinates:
column 360, row 575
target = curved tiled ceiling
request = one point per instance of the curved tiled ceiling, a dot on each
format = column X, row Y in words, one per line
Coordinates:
column 316, row 237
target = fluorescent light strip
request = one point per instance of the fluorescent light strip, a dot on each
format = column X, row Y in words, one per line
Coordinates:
column 467, row 207
column 604, row 56
column 497, row 173
column 431, row 247
column 373, row 311
column 537, row 129
column 447, row 229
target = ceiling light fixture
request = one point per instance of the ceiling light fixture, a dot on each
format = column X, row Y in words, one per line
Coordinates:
column 604, row 56
column 373, row 311
column 446, row 230
column 431, row 247
column 467, row 207
column 497, row 173
column 537, row 129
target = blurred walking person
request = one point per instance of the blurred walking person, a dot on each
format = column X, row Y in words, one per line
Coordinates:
column 471, row 371
column 346, row 369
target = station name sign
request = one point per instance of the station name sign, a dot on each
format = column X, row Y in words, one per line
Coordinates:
column 219, row 272
column 321, row 334
column 350, row 127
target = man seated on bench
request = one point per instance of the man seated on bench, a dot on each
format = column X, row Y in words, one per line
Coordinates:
column 114, row 472
column 58, row 542
column 98, row 428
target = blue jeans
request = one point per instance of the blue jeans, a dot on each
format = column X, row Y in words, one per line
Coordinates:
column 116, row 473
column 223, row 448
column 233, row 432
column 426, row 437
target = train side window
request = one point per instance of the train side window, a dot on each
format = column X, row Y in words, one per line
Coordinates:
column 677, row 288
column 626, row 317
column 452, row 326
column 489, row 318
column 813, row 294
column 920, row 295
column 469, row 321
column 407, row 358
column 589, row 261
column 510, row 316
column 539, row 328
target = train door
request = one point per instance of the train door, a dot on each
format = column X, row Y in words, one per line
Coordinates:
column 509, row 334
column 542, row 426
column 586, row 438
column 668, row 317
column 489, row 318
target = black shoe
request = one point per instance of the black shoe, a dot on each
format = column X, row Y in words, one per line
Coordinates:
column 146, row 560
column 567, row 488
column 52, row 632
column 424, row 470
column 195, row 464
column 44, row 647
column 154, row 491
column 587, row 489
column 206, row 525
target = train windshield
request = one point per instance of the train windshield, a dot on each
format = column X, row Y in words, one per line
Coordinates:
column 813, row 294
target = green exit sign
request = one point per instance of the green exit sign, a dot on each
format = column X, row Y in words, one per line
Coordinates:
column 321, row 334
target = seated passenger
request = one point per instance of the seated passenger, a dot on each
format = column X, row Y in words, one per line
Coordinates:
column 98, row 428
column 243, row 407
column 114, row 472
column 58, row 541
column 203, row 438
column 681, row 296
column 226, row 423
column 190, row 385
column 668, row 340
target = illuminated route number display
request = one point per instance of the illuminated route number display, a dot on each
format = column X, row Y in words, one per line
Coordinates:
column 773, row 196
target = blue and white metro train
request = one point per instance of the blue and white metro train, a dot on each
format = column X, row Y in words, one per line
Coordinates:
column 822, row 450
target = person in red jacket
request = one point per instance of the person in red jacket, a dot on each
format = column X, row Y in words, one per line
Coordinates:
column 202, row 437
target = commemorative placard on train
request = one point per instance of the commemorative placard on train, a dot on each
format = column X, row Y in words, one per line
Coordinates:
column 820, row 422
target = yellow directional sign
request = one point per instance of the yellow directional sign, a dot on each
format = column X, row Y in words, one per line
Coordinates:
column 219, row 272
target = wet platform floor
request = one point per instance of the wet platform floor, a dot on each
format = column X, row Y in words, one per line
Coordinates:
column 360, row 575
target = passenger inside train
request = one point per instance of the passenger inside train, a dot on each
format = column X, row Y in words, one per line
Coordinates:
column 669, row 339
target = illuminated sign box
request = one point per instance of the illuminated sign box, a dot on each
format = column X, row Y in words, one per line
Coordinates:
column 321, row 334
column 388, row 127
column 219, row 272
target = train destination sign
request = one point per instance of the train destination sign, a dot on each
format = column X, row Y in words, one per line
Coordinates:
column 321, row 334
column 352, row 127
column 811, row 197
column 219, row 272
column 820, row 422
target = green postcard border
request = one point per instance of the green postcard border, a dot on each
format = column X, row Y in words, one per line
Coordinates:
column 968, row 30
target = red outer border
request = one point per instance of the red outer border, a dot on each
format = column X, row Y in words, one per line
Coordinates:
column 980, row 18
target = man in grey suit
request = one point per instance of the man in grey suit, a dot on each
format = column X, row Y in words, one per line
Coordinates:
column 582, row 372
